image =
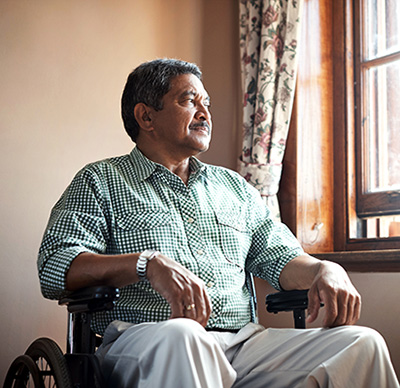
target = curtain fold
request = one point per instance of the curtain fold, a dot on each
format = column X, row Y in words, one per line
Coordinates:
column 269, row 33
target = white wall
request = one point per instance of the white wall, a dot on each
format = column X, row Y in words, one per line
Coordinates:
column 63, row 65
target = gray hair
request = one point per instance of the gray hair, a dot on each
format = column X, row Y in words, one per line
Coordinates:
column 148, row 84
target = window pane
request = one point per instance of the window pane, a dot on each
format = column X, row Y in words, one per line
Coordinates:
column 381, row 27
column 381, row 227
column 382, row 127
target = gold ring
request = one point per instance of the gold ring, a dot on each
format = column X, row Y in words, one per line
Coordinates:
column 190, row 307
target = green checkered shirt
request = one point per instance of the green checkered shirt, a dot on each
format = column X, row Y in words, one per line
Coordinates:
column 216, row 226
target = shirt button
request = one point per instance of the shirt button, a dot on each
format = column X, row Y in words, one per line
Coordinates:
column 210, row 284
column 190, row 220
column 200, row 252
column 213, row 315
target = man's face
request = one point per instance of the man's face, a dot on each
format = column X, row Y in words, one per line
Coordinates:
column 184, row 125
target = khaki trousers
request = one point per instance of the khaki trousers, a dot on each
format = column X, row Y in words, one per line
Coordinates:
column 179, row 353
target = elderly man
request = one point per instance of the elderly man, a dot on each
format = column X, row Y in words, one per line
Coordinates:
column 177, row 236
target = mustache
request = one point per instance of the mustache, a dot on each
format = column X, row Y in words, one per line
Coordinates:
column 202, row 124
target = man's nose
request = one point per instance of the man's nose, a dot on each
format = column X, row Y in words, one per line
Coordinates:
column 203, row 113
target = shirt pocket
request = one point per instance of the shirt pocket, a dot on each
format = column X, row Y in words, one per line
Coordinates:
column 143, row 220
column 234, row 236
column 136, row 232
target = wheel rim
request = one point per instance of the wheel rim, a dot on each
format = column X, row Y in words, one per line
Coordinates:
column 23, row 372
column 50, row 362
column 46, row 372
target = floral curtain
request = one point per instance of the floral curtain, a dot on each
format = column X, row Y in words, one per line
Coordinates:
column 269, row 32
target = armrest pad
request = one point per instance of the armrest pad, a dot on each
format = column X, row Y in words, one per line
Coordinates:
column 287, row 301
column 91, row 299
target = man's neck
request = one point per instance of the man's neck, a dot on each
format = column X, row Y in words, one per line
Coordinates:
column 175, row 164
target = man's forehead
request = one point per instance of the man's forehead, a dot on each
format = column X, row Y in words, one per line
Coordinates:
column 187, row 84
column 194, row 93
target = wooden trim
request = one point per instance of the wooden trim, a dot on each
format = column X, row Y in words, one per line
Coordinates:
column 365, row 261
column 306, row 195
column 380, row 60
column 379, row 203
column 368, row 203
column 373, row 244
column 343, row 119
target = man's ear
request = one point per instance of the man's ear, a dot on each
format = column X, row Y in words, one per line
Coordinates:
column 143, row 116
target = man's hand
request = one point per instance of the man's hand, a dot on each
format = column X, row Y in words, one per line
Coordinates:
column 333, row 287
column 183, row 290
column 328, row 283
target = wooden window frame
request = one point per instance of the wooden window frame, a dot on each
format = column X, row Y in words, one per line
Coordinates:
column 319, row 204
column 346, row 221
column 367, row 203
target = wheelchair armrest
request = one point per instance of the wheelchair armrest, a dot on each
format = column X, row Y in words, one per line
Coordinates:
column 91, row 299
column 296, row 301
column 287, row 301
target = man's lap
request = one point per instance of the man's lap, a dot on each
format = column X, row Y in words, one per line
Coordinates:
column 255, row 353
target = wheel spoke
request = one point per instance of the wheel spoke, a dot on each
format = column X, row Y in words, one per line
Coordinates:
column 51, row 363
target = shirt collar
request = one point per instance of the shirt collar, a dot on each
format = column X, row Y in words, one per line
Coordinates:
column 145, row 167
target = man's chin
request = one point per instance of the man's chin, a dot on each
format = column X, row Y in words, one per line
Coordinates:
column 202, row 149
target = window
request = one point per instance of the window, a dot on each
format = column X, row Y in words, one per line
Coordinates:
column 345, row 124
column 377, row 118
column 366, row 103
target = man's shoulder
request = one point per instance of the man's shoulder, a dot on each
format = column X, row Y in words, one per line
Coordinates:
column 111, row 163
column 106, row 170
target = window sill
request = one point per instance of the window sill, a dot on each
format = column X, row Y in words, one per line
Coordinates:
column 365, row 261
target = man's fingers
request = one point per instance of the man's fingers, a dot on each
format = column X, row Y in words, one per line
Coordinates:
column 184, row 291
column 349, row 310
column 314, row 303
column 331, row 306
column 357, row 310
column 177, row 307
column 187, row 297
column 342, row 308
column 344, row 311
column 202, row 304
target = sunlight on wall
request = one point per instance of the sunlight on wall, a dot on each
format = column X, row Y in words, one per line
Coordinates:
column 62, row 70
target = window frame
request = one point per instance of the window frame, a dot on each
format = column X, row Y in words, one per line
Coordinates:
column 367, row 203
column 346, row 162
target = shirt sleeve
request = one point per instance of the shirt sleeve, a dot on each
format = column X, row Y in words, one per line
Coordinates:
column 273, row 244
column 77, row 224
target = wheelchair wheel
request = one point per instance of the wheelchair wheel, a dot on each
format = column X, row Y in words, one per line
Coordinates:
column 51, row 363
column 23, row 372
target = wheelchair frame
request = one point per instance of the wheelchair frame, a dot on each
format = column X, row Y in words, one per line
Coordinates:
column 44, row 364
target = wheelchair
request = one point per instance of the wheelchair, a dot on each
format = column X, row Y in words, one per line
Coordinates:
column 45, row 365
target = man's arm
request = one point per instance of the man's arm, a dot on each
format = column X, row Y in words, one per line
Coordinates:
column 91, row 269
column 328, row 283
column 175, row 283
